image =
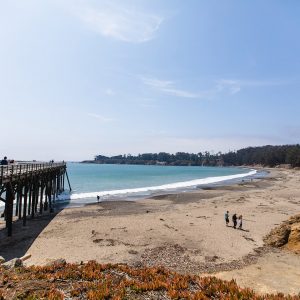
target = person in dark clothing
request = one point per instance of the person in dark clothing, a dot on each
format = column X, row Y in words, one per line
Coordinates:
column 4, row 161
column 234, row 220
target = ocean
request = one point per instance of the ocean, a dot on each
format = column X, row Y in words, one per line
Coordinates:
column 130, row 182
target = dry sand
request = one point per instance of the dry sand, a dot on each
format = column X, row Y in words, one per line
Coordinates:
column 185, row 232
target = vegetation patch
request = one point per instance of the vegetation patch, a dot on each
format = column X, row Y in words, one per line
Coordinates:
column 106, row 281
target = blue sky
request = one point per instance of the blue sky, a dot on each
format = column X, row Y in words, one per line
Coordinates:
column 80, row 78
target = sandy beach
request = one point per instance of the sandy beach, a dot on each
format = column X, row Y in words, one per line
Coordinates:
column 185, row 232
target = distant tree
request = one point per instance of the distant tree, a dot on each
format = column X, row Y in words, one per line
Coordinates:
column 265, row 155
column 293, row 156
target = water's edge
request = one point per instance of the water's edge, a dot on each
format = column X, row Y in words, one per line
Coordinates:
column 67, row 199
column 134, row 194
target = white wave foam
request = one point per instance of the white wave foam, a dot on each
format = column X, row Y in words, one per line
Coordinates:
column 171, row 186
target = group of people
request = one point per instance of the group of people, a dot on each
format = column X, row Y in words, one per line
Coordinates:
column 236, row 220
column 5, row 161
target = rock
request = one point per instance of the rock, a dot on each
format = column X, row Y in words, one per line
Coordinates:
column 2, row 260
column 294, row 219
column 294, row 238
column 287, row 235
column 13, row 263
column 59, row 261
column 278, row 236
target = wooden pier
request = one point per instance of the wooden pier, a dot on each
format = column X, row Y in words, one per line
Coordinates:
column 32, row 187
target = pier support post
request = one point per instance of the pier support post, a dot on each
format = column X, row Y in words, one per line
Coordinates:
column 9, row 207
column 20, row 191
column 63, row 181
column 29, row 198
column 41, row 197
column 37, row 196
column 17, row 202
column 68, row 181
column 25, row 205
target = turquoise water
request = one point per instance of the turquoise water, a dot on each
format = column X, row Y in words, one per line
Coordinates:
column 111, row 181
column 126, row 182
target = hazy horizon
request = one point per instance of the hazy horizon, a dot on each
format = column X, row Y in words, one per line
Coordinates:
column 81, row 78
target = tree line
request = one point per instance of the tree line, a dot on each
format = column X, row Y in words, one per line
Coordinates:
column 264, row 155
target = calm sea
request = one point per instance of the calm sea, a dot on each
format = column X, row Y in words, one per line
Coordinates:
column 113, row 182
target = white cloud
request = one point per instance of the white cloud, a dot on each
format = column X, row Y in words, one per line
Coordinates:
column 120, row 23
column 168, row 87
column 100, row 118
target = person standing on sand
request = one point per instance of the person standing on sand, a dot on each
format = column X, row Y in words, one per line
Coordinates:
column 234, row 220
column 98, row 198
column 227, row 217
column 240, row 222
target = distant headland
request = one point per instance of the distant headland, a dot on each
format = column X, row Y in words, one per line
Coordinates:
column 271, row 156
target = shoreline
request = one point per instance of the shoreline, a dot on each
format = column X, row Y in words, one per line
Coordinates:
column 65, row 200
column 185, row 232
column 141, row 193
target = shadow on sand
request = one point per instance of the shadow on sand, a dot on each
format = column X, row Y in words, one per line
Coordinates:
column 22, row 237
column 241, row 229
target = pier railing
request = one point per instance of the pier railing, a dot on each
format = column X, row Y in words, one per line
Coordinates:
column 12, row 170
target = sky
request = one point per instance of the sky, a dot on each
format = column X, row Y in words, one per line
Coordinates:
column 81, row 77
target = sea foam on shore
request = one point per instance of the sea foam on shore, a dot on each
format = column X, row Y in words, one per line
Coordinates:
column 150, row 189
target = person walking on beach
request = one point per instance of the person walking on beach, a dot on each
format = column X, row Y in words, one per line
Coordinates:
column 240, row 222
column 234, row 220
column 98, row 198
column 227, row 217
column 4, row 161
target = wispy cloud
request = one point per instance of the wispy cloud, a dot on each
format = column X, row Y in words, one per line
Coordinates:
column 236, row 85
column 100, row 118
column 220, row 86
column 169, row 87
column 120, row 22
column 233, row 86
